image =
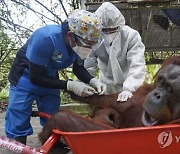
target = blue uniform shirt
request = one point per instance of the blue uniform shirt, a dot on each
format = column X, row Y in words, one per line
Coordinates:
column 47, row 47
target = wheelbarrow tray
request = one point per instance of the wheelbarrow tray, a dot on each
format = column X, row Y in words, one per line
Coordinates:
column 154, row 139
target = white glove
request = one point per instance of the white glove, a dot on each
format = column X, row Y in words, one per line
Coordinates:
column 80, row 89
column 99, row 86
column 123, row 96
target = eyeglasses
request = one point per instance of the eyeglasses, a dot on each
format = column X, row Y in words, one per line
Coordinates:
column 110, row 30
column 84, row 42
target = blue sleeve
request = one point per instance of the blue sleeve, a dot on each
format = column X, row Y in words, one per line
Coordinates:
column 40, row 49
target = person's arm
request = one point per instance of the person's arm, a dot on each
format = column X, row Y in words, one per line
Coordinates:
column 136, row 61
column 37, row 76
column 90, row 63
column 81, row 73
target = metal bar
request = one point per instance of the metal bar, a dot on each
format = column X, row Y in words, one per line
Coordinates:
column 49, row 143
column 93, row 5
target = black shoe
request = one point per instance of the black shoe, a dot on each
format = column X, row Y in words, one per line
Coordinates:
column 21, row 139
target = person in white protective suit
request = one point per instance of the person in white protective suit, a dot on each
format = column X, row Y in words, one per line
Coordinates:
column 119, row 56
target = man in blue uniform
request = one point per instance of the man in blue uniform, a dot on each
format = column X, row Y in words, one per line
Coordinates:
column 34, row 73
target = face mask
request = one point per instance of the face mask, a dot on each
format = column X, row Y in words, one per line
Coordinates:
column 109, row 37
column 82, row 52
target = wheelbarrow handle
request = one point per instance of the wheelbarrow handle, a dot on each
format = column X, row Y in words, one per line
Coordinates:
column 49, row 144
column 40, row 114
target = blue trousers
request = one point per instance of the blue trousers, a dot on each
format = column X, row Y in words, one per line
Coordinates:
column 18, row 115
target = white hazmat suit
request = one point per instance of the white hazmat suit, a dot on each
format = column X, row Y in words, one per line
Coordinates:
column 120, row 56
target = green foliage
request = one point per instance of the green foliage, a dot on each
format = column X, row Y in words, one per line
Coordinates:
column 151, row 71
column 67, row 74
column 65, row 99
column 4, row 95
column 6, row 57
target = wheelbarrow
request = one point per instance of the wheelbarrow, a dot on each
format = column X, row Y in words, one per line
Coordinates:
column 164, row 139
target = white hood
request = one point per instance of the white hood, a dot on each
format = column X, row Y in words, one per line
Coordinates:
column 110, row 16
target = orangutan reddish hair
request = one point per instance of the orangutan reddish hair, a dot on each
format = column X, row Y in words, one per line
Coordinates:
column 150, row 105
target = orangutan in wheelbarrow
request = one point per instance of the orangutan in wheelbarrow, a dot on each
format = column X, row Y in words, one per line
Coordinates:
column 150, row 105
